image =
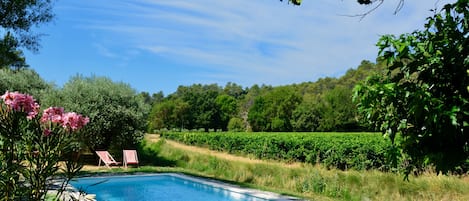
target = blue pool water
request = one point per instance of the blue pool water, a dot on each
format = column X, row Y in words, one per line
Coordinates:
column 162, row 187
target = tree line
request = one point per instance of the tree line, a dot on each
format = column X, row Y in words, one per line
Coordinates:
column 324, row 105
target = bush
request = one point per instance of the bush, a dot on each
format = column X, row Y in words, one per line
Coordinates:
column 236, row 125
column 24, row 80
column 32, row 146
column 117, row 112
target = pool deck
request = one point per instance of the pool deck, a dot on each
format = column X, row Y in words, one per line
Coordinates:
column 74, row 194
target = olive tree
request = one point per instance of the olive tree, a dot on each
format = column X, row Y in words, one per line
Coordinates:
column 117, row 112
column 23, row 80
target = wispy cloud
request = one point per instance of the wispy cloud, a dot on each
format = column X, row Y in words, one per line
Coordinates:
column 104, row 51
column 260, row 41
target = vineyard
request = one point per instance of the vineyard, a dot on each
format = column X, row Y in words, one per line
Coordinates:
column 358, row 151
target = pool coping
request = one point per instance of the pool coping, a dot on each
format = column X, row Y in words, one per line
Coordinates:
column 206, row 181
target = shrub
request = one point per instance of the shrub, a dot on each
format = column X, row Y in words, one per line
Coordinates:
column 24, row 80
column 31, row 146
column 116, row 111
column 236, row 125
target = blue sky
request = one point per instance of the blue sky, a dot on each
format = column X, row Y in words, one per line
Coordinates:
column 158, row 45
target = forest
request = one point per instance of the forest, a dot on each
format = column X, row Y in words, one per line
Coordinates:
column 323, row 105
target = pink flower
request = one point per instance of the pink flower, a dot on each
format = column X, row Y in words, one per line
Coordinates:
column 70, row 120
column 47, row 132
column 53, row 114
column 9, row 97
column 74, row 121
column 21, row 103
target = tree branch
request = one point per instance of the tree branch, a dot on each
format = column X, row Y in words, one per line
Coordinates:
column 399, row 6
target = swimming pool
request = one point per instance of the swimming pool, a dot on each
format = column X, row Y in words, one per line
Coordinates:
column 168, row 187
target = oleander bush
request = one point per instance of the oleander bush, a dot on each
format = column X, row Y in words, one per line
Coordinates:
column 334, row 150
column 35, row 147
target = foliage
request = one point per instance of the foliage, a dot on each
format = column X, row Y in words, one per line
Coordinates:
column 273, row 110
column 338, row 113
column 423, row 97
column 324, row 105
column 24, row 80
column 257, row 115
column 306, row 116
column 168, row 114
column 295, row 2
column 203, row 110
column 327, row 103
column 116, row 111
column 10, row 55
column 227, row 106
column 18, row 17
column 161, row 115
column 335, row 150
column 32, row 146
column 234, row 90
column 197, row 106
column 236, row 125
column 155, row 97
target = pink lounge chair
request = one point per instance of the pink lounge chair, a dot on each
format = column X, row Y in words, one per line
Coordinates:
column 106, row 158
column 130, row 157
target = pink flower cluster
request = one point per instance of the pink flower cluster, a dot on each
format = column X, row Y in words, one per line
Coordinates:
column 69, row 120
column 25, row 103
column 21, row 103
column 74, row 121
column 53, row 114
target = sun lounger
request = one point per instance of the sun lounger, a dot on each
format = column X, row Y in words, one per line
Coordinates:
column 106, row 158
column 130, row 157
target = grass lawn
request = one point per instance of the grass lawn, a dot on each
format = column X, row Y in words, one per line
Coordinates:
column 297, row 179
